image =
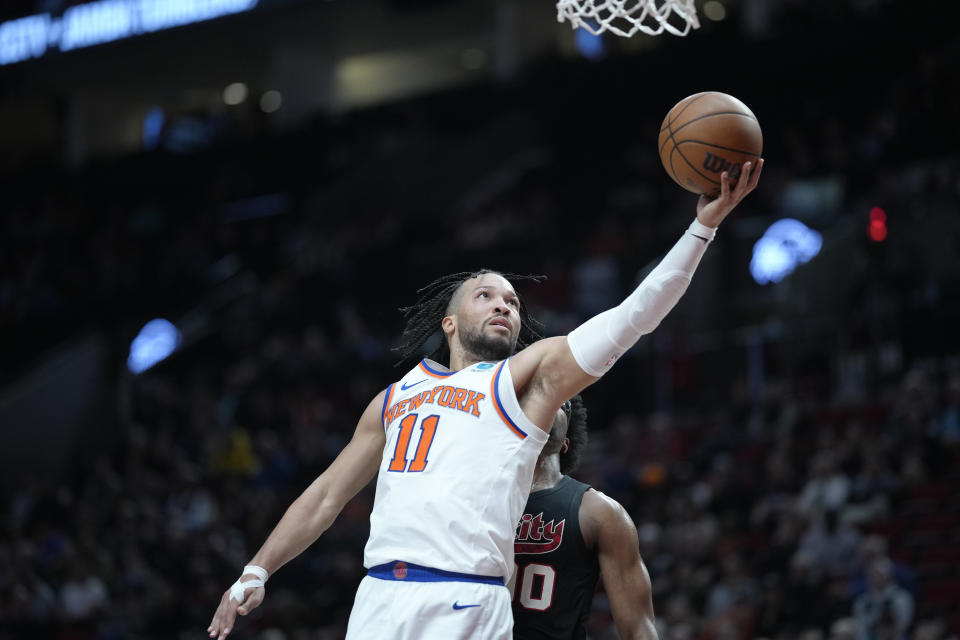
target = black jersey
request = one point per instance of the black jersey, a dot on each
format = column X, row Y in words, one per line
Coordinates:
column 556, row 575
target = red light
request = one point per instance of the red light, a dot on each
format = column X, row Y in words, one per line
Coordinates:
column 877, row 231
column 878, row 215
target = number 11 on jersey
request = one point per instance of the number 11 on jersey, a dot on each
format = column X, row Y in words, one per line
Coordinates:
column 428, row 428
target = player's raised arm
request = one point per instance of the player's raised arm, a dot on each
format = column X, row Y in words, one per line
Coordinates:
column 552, row 370
column 608, row 528
column 308, row 517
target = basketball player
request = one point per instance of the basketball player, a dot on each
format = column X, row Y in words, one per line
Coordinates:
column 569, row 536
column 453, row 445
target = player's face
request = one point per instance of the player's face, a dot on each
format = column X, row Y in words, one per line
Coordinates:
column 488, row 317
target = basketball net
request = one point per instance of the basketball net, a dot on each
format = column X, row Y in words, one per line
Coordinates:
column 626, row 17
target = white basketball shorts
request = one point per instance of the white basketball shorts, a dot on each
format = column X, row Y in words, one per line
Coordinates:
column 416, row 603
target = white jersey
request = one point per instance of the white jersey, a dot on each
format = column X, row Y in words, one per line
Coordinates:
column 456, row 470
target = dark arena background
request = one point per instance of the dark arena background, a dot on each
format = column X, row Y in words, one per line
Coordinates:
column 208, row 224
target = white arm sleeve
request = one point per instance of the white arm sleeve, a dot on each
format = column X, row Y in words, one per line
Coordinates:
column 598, row 342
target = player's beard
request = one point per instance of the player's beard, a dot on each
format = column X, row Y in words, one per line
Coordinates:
column 488, row 348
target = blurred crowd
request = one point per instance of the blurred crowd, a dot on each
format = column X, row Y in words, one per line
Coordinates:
column 818, row 498
column 795, row 519
column 806, row 521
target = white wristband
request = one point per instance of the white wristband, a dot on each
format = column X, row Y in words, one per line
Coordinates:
column 702, row 231
column 237, row 588
column 600, row 341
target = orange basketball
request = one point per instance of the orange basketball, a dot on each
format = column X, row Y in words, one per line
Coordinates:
column 706, row 134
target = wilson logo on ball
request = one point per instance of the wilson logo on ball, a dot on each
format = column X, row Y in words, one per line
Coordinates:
column 716, row 164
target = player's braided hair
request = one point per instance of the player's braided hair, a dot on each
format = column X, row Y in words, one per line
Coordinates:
column 424, row 316
column 576, row 432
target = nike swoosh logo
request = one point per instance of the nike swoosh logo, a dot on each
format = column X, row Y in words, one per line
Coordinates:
column 458, row 606
column 404, row 387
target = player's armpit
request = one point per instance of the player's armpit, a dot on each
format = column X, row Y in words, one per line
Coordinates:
column 609, row 527
column 545, row 375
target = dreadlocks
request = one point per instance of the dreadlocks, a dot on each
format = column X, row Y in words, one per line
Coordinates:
column 424, row 317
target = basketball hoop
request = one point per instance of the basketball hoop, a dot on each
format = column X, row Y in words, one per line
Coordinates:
column 626, row 17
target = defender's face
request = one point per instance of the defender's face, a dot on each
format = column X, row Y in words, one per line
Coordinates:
column 487, row 317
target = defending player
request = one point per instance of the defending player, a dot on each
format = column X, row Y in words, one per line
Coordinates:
column 454, row 443
column 568, row 537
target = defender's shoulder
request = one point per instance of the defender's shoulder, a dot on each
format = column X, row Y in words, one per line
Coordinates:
column 602, row 516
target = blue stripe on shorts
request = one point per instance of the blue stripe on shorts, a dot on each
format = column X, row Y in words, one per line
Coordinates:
column 407, row 572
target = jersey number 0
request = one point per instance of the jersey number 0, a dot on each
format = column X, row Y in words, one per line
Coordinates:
column 428, row 428
column 530, row 597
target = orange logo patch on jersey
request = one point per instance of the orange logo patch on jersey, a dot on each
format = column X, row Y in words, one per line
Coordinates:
column 400, row 571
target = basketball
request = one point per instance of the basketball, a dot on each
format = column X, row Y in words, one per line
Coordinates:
column 706, row 134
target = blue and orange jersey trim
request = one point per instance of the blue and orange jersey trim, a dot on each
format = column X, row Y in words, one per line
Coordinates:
column 431, row 372
column 387, row 397
column 498, row 405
